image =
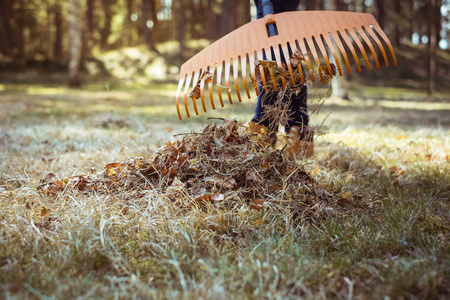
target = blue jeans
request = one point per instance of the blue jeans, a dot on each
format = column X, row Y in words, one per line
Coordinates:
column 297, row 106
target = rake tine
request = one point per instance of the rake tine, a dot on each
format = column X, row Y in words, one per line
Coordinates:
column 194, row 83
column 369, row 44
column 272, row 77
column 186, row 88
column 202, row 94
column 263, row 78
column 361, row 47
column 219, row 78
column 244, row 74
column 372, row 34
column 210, row 85
column 300, row 71
column 386, row 40
column 177, row 99
column 261, row 71
column 276, row 50
column 331, row 47
column 299, row 67
column 312, row 48
column 285, row 50
column 342, row 49
column 352, row 50
column 227, row 80
column 251, row 59
column 236, row 76
column 324, row 53
column 196, row 77
column 308, row 63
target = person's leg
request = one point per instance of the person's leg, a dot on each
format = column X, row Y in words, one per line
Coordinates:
column 298, row 109
column 299, row 137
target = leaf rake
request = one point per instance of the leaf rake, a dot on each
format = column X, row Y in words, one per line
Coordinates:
column 307, row 37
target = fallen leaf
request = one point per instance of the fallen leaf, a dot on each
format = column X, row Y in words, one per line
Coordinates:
column 195, row 93
column 256, row 204
column 226, row 183
column 251, row 175
column 206, row 77
column 43, row 212
column 203, row 198
column 296, row 58
column 343, row 201
column 111, row 172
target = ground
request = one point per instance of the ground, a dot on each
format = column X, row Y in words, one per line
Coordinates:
column 385, row 233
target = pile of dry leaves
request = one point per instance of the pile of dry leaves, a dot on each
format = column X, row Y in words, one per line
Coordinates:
column 223, row 165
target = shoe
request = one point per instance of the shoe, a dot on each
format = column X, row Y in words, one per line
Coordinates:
column 263, row 132
column 299, row 143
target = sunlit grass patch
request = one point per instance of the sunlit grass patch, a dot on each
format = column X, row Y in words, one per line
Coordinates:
column 385, row 236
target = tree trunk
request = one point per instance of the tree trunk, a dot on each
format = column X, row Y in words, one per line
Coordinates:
column 338, row 5
column 105, row 31
column 90, row 16
column 247, row 17
column 434, row 27
column 20, row 34
column 6, row 46
column 57, row 46
column 75, row 42
column 145, row 19
column 128, row 30
column 398, row 14
column 224, row 18
column 379, row 12
column 181, row 28
column 211, row 31
column 155, row 30
column 310, row 4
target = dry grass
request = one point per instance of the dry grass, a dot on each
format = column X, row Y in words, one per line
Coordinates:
column 384, row 231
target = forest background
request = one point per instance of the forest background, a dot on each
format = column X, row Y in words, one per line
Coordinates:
column 50, row 35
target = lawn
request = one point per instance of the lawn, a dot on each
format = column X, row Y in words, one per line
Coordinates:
column 376, row 228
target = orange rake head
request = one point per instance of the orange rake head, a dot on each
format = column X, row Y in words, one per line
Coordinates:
column 310, row 37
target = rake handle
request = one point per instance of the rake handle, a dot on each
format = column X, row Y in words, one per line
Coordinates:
column 267, row 9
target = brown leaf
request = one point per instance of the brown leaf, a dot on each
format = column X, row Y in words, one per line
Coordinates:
column 276, row 187
column 225, row 183
column 81, row 184
column 253, row 176
column 43, row 212
column 210, row 128
column 49, row 176
column 256, row 204
column 206, row 77
column 230, row 125
column 203, row 198
column 172, row 172
column 113, row 165
column 195, row 93
column 343, row 201
column 296, row 58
